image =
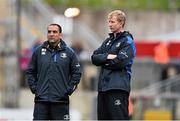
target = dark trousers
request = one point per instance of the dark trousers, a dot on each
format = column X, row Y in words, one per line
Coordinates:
column 51, row 111
column 113, row 105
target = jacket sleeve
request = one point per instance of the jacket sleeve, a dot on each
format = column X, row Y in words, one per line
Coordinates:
column 75, row 74
column 99, row 57
column 124, row 57
column 31, row 73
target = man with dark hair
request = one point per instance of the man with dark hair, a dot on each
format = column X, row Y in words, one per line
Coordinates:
column 53, row 74
column 115, row 57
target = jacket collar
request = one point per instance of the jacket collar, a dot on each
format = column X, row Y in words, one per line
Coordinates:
column 62, row 45
column 125, row 33
column 117, row 34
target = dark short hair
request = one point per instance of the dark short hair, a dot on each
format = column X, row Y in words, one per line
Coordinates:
column 60, row 28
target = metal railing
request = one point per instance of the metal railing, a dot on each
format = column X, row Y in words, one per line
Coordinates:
column 168, row 88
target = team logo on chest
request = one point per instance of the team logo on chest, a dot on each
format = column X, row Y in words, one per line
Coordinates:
column 108, row 43
column 118, row 44
column 66, row 117
column 43, row 51
column 63, row 55
column 117, row 102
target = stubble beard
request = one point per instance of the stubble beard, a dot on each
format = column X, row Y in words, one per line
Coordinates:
column 52, row 42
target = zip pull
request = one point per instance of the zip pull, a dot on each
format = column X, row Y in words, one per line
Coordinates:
column 55, row 58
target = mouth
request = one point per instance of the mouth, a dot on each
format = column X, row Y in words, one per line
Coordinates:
column 111, row 29
column 51, row 40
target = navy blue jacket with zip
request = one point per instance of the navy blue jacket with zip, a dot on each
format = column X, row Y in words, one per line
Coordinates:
column 52, row 75
column 115, row 73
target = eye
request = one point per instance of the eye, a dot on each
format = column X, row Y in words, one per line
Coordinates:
column 55, row 31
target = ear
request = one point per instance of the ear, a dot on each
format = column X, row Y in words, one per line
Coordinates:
column 122, row 23
column 60, row 35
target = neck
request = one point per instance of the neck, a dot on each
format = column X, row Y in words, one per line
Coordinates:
column 54, row 45
column 119, row 30
column 115, row 33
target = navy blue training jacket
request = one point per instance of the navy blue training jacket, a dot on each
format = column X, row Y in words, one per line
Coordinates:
column 116, row 73
column 52, row 75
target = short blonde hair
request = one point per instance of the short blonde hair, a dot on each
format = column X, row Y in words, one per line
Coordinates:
column 121, row 16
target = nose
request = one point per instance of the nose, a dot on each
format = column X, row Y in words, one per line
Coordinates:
column 51, row 34
column 109, row 24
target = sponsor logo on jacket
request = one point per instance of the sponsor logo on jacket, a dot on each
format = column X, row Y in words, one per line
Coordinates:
column 43, row 51
column 63, row 55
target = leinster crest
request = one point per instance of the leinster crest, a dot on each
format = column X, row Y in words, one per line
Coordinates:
column 63, row 55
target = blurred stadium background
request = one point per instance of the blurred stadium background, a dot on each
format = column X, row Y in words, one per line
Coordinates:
column 156, row 29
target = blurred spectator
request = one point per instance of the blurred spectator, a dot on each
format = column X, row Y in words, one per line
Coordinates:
column 24, row 61
column 169, row 72
column 161, row 58
column 78, row 48
column 37, row 42
column 130, row 108
column 25, row 58
column 161, row 53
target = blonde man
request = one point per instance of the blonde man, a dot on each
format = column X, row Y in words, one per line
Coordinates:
column 115, row 57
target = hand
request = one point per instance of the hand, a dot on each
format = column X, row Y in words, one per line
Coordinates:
column 111, row 56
